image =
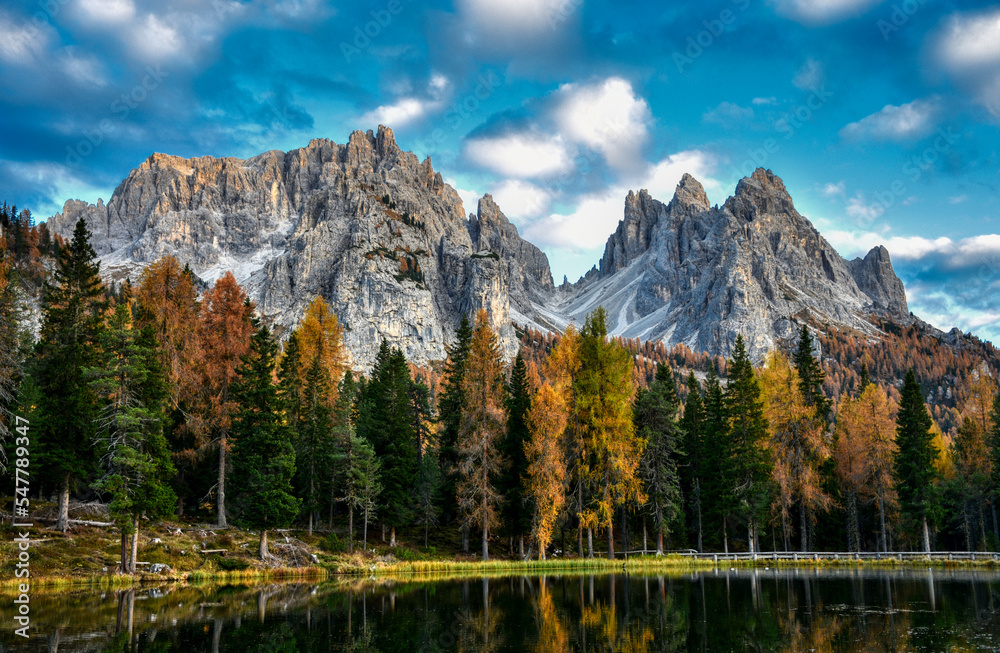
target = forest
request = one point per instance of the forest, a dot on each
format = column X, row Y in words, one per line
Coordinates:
column 169, row 399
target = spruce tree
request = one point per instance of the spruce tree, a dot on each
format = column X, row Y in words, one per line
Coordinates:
column 513, row 483
column 386, row 421
column 13, row 345
column 993, row 443
column 693, row 457
column 656, row 424
column 750, row 466
column 913, row 464
column 811, row 374
column 72, row 320
column 313, row 441
column 718, row 500
column 864, row 380
column 132, row 391
column 450, row 407
column 263, row 456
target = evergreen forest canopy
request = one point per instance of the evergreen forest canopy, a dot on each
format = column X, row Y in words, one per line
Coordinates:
column 161, row 401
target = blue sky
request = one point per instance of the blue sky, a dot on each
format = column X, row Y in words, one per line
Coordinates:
column 881, row 116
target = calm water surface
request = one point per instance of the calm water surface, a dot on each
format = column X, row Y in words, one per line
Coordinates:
column 763, row 610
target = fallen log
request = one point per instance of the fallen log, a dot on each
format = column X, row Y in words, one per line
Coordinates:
column 223, row 551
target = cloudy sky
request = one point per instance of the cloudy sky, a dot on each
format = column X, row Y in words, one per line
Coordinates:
column 881, row 116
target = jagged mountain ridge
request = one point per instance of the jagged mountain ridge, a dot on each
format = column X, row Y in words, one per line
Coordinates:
column 687, row 272
column 382, row 237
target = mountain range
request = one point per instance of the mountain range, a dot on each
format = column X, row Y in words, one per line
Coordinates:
column 386, row 242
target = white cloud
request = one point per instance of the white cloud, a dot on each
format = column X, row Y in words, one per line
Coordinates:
column 521, row 155
column 892, row 123
column 22, row 45
column 85, row 70
column 607, row 117
column 521, row 200
column 859, row 210
column 596, row 214
column 106, row 12
column 765, row 100
column 835, row 190
column 470, row 198
column 728, row 113
column 810, row 76
column 823, row 11
column 968, row 48
column 958, row 199
column 403, row 112
column 154, row 39
column 514, row 17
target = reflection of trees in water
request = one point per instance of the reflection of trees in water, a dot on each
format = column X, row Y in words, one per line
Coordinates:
column 553, row 635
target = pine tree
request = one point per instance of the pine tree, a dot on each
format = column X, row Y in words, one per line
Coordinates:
column 693, row 456
column 224, row 335
column 811, row 374
column 750, row 465
column 13, row 346
column 386, row 421
column 73, row 310
column 516, row 511
column 798, row 446
column 263, row 455
column 546, row 471
column 864, row 452
column 718, row 499
column 130, row 387
column 450, row 408
column 313, row 441
column 604, row 391
column 483, row 423
column 657, row 425
column 914, row 461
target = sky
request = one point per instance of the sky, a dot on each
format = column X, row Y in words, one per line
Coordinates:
column 881, row 116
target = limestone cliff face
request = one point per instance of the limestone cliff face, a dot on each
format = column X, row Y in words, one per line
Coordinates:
column 365, row 225
column 381, row 237
column 686, row 272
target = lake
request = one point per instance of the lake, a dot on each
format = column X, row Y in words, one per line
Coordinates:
column 745, row 610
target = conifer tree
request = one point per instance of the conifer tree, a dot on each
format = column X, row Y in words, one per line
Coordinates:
column 386, row 421
column 811, row 374
column 657, row 425
column 321, row 335
column 483, row 423
column 750, row 464
column 546, row 471
column 797, row 444
column 367, row 473
column 224, row 334
column 864, row 379
column 693, row 456
column 72, row 320
column 428, row 487
column 313, row 441
column 344, row 478
column 914, row 461
column 516, row 511
column 263, row 455
column 450, row 407
column 131, row 390
column 719, row 501
column 604, row 391
column 993, row 446
column 13, row 345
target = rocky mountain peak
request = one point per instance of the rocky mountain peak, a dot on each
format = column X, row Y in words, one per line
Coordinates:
column 876, row 278
column 762, row 193
column 690, row 194
column 634, row 232
column 492, row 233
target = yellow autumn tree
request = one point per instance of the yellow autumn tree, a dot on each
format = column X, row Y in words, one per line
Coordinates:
column 798, row 445
column 321, row 335
column 546, row 463
column 865, row 446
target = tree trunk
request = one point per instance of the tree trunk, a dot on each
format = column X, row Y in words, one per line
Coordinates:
column 996, row 526
column 784, row 530
column 927, row 536
column 967, row 526
column 221, row 495
column 123, row 568
column 426, row 528
column 725, row 536
column 392, row 536
column 698, row 514
column 611, row 539
column 486, row 542
column 263, row 544
column 881, row 516
column 659, row 542
column 62, row 523
column 310, row 523
column 520, row 547
column 803, row 528
column 135, row 547
column 752, row 536
column 853, row 526
column 465, row 538
column 364, row 534
column 579, row 541
column 350, row 528
column 590, row 542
